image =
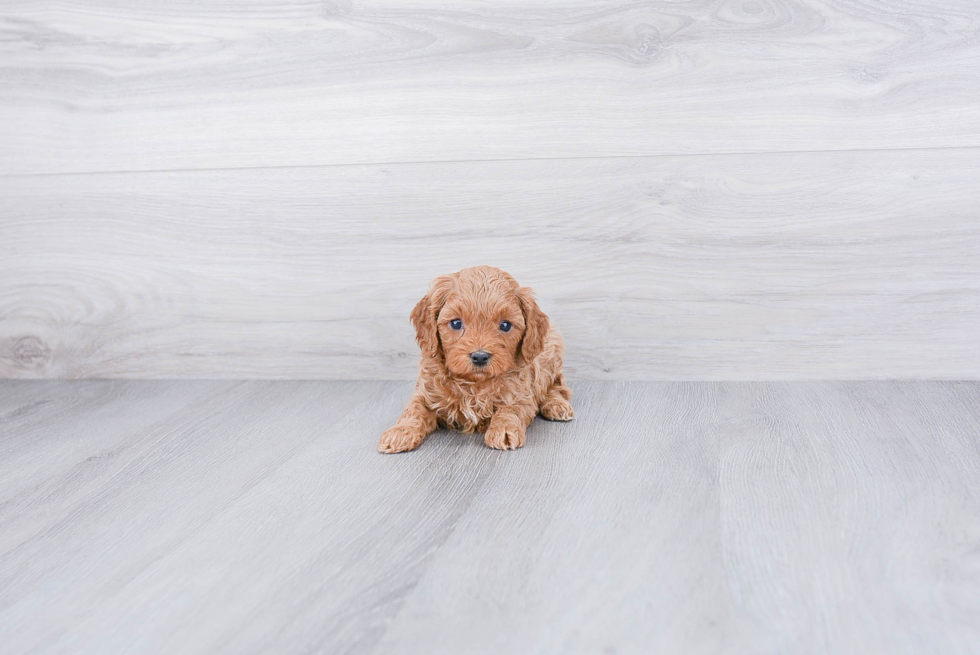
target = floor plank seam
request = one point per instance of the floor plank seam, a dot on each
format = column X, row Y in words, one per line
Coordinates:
column 435, row 162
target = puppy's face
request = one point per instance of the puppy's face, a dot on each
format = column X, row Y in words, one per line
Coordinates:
column 480, row 334
column 480, row 322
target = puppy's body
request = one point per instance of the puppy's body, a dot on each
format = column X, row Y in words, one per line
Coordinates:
column 491, row 361
column 469, row 406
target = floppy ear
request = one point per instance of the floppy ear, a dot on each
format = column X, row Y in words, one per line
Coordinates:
column 535, row 325
column 425, row 314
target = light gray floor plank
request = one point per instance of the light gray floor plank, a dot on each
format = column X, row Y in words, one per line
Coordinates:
column 851, row 518
column 166, row 485
column 82, row 426
column 668, row 517
column 18, row 398
column 101, row 85
column 604, row 536
column 787, row 266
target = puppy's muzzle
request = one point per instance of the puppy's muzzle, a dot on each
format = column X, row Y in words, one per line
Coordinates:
column 480, row 358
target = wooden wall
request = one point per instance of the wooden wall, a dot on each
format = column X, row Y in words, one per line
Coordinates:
column 697, row 190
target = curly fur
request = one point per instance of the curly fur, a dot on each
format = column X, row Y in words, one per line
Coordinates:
column 523, row 377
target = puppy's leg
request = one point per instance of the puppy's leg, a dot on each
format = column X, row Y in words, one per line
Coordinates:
column 415, row 424
column 555, row 406
column 508, row 427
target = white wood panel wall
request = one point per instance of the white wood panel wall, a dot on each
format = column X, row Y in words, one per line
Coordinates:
column 171, row 84
column 697, row 190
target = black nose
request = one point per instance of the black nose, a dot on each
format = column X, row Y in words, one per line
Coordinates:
column 480, row 358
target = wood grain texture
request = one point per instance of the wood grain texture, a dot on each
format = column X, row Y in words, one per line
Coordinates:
column 861, row 499
column 617, row 513
column 111, row 86
column 256, row 517
column 775, row 266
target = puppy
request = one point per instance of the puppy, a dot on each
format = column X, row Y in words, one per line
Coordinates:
column 491, row 362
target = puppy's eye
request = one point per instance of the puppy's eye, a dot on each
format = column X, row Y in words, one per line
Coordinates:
column 505, row 326
column 456, row 324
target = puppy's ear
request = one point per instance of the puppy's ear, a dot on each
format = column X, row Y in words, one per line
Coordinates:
column 427, row 311
column 535, row 325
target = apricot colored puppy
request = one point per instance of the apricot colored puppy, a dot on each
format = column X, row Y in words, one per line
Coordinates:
column 491, row 362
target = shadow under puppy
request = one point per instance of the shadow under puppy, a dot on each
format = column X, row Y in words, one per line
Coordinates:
column 491, row 361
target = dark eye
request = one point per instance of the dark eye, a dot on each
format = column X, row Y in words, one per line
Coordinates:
column 456, row 324
column 505, row 326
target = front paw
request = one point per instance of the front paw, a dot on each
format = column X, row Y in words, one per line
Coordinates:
column 504, row 437
column 398, row 439
column 557, row 409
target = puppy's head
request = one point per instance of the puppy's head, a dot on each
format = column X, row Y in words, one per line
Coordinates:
column 480, row 322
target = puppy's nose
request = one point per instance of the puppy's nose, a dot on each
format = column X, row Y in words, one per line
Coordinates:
column 480, row 358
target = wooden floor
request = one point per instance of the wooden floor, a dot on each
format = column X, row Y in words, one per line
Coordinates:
column 256, row 517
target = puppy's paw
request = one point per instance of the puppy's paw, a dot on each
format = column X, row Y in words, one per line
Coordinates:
column 557, row 409
column 399, row 439
column 504, row 437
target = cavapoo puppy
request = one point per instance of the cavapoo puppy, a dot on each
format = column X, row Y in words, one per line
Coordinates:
column 491, row 362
